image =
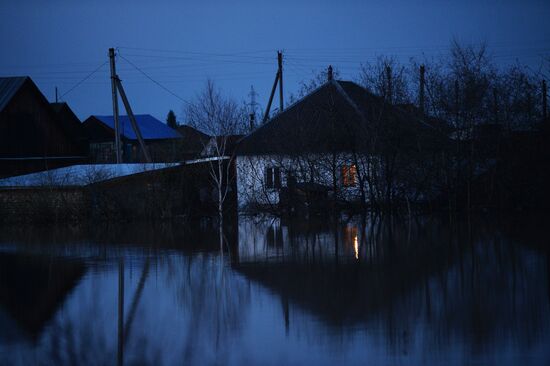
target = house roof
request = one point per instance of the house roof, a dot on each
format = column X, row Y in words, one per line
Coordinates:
column 338, row 116
column 193, row 140
column 8, row 87
column 150, row 127
column 190, row 132
column 68, row 120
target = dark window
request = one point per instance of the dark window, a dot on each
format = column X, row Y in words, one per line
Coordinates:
column 272, row 178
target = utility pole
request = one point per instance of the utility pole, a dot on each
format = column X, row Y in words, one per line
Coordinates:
column 56, row 94
column 280, row 63
column 115, row 104
column 278, row 79
column 422, row 86
column 388, row 78
column 133, row 120
column 544, row 101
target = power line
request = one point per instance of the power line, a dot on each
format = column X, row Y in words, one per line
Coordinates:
column 153, row 80
column 246, row 54
column 83, row 80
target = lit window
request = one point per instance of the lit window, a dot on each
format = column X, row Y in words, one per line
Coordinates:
column 349, row 175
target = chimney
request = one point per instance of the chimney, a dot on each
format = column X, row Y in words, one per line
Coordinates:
column 329, row 73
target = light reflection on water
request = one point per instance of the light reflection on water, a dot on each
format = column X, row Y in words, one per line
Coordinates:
column 359, row 291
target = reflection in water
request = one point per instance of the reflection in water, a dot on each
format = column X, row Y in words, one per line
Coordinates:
column 361, row 290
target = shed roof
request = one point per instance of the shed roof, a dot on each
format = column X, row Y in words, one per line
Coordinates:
column 80, row 175
column 150, row 127
column 8, row 87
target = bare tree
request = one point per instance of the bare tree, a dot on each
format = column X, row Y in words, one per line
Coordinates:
column 221, row 118
column 387, row 78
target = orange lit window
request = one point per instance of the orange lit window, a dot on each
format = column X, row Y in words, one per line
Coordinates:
column 349, row 175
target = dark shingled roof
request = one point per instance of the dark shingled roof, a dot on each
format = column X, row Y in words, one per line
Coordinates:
column 341, row 116
column 8, row 87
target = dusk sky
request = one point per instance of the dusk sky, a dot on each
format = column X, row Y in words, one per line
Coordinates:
column 180, row 44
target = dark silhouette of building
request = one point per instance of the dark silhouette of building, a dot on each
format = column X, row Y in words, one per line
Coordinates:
column 34, row 134
column 192, row 143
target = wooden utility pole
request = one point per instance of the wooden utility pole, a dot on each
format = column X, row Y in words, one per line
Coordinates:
column 280, row 63
column 266, row 114
column 278, row 79
column 56, row 94
column 115, row 104
column 388, row 78
column 422, row 86
column 544, row 101
column 133, row 120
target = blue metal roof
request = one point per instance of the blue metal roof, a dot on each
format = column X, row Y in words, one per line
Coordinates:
column 150, row 127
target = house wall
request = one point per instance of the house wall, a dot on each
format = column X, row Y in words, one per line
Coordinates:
column 323, row 169
column 161, row 151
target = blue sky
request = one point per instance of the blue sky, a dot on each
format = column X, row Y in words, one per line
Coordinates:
column 180, row 44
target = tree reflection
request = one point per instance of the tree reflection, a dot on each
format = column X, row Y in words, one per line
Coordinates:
column 419, row 280
column 414, row 289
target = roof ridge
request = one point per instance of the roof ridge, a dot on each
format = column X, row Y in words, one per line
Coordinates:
column 349, row 100
column 317, row 89
column 9, row 86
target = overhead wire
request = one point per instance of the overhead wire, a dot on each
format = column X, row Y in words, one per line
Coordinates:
column 83, row 80
column 153, row 80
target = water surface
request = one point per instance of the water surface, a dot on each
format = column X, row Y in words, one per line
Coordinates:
column 358, row 291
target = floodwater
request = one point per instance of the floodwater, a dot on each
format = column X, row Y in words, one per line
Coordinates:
column 361, row 291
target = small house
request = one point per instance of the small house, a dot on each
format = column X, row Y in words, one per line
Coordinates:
column 161, row 140
column 342, row 144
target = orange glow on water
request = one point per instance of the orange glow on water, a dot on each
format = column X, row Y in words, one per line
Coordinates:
column 356, row 247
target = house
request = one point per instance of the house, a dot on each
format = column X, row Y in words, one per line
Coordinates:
column 71, row 124
column 192, row 143
column 339, row 142
column 161, row 140
column 34, row 134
